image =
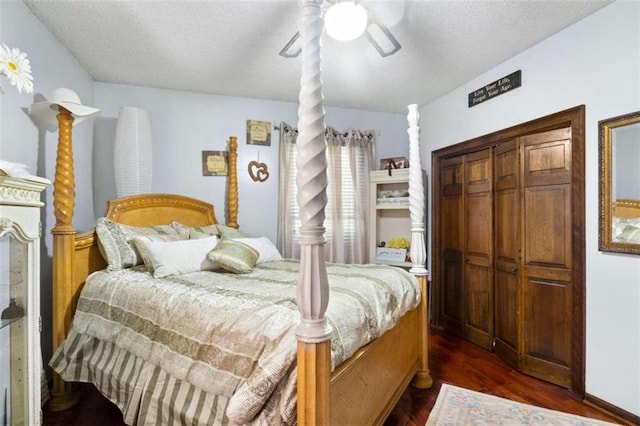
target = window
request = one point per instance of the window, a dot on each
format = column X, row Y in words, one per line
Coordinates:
column 350, row 158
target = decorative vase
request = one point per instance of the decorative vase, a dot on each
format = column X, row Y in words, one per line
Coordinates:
column 132, row 157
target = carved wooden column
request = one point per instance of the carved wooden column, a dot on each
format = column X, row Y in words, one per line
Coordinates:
column 63, row 394
column 232, row 181
column 418, row 250
column 314, row 333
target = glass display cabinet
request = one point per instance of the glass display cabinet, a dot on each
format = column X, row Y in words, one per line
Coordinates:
column 20, row 355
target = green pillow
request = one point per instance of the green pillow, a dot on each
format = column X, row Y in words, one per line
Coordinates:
column 227, row 232
column 234, row 256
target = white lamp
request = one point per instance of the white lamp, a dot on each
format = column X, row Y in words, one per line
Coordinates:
column 132, row 162
column 345, row 21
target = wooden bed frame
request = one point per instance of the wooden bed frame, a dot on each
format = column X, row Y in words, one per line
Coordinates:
column 626, row 208
column 362, row 390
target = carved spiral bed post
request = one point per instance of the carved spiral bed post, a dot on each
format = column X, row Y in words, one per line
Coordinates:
column 422, row 378
column 232, row 190
column 63, row 394
column 313, row 333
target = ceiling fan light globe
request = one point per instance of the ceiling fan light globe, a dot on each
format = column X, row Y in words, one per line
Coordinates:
column 345, row 21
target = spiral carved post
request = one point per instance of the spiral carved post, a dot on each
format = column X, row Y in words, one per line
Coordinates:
column 63, row 394
column 422, row 378
column 416, row 195
column 232, row 190
column 314, row 344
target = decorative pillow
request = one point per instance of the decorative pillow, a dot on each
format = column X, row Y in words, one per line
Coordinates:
column 194, row 235
column 264, row 246
column 115, row 241
column 188, row 230
column 234, row 256
column 142, row 250
column 630, row 234
column 227, row 232
column 620, row 225
column 179, row 257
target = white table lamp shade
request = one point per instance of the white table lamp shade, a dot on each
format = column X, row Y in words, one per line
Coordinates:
column 132, row 157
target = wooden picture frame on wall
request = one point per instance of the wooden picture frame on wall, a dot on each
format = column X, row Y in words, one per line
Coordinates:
column 258, row 132
column 215, row 163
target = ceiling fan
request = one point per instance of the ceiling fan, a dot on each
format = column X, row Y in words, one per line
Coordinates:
column 349, row 14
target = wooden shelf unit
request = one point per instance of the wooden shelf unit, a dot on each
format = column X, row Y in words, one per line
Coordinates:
column 389, row 216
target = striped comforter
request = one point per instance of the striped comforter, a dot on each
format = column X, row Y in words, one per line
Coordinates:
column 217, row 348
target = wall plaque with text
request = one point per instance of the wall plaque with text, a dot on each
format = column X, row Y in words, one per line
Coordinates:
column 498, row 87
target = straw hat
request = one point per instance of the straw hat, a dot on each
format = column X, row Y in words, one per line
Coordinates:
column 45, row 112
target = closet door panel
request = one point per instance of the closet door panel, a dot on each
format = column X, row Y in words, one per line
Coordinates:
column 507, row 254
column 547, row 352
column 451, row 236
column 548, row 227
column 453, row 293
column 507, row 302
column 479, row 222
column 479, row 303
column 452, row 211
column 547, row 158
column 506, row 212
column 478, row 248
column 547, row 256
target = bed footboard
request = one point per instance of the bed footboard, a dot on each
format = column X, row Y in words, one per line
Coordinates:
column 377, row 374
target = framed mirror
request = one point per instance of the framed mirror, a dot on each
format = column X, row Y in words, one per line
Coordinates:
column 619, row 143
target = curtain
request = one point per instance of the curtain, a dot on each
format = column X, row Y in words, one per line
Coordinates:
column 350, row 157
column 288, row 212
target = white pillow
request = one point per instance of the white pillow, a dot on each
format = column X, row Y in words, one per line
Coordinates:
column 264, row 246
column 179, row 257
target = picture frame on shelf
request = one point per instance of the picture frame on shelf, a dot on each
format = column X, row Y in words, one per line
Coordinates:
column 394, row 163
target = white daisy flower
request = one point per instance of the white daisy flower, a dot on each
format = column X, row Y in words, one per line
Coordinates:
column 15, row 66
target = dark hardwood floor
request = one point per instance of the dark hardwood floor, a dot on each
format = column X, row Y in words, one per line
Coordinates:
column 452, row 360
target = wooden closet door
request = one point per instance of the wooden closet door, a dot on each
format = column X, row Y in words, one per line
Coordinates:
column 507, row 251
column 451, row 243
column 547, row 256
column 478, row 248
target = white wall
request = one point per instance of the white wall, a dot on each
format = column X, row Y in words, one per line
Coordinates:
column 20, row 139
column 183, row 124
column 595, row 62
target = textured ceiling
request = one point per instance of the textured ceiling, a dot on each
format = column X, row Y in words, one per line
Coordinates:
column 230, row 47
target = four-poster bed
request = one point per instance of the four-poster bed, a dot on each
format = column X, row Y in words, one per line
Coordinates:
column 363, row 388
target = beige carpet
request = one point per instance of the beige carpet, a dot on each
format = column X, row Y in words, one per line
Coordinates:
column 458, row 406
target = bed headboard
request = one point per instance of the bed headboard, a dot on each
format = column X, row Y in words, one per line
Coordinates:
column 626, row 208
column 160, row 209
column 75, row 256
column 135, row 210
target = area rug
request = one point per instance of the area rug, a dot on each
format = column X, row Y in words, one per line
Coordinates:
column 457, row 406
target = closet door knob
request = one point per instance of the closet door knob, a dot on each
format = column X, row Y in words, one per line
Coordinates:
column 514, row 269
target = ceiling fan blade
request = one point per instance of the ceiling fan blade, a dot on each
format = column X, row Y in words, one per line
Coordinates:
column 377, row 33
column 381, row 38
column 292, row 49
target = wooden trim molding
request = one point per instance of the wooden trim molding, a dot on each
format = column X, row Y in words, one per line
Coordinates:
column 623, row 416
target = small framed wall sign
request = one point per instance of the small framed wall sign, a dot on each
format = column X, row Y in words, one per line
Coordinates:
column 497, row 88
column 215, row 163
column 258, row 132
